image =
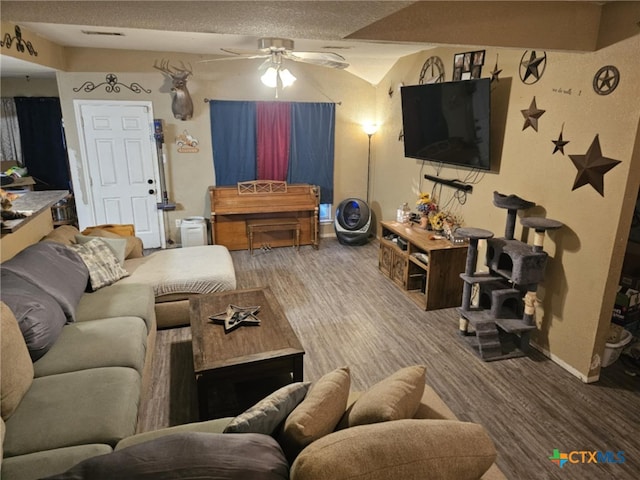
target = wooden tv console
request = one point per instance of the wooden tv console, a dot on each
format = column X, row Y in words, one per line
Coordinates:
column 432, row 285
column 233, row 209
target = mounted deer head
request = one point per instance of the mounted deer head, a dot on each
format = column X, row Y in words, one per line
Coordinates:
column 181, row 105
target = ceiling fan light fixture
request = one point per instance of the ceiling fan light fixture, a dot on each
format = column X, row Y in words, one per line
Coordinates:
column 287, row 78
column 273, row 75
column 269, row 78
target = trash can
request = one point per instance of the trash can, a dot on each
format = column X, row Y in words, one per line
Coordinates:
column 612, row 351
column 193, row 231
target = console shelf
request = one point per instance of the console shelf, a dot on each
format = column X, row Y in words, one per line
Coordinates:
column 427, row 269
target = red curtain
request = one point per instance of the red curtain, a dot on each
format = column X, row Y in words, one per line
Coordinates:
column 273, row 126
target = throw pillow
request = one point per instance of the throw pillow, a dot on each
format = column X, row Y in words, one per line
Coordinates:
column 39, row 315
column 54, row 268
column 318, row 414
column 16, row 367
column 134, row 244
column 102, row 264
column 117, row 245
column 406, row 449
column 268, row 413
column 394, row 398
column 64, row 234
column 201, row 456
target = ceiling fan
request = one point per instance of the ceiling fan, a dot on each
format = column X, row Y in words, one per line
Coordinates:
column 275, row 50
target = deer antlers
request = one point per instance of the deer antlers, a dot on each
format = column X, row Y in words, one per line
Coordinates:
column 173, row 72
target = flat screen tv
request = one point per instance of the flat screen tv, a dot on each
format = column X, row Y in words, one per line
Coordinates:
column 448, row 122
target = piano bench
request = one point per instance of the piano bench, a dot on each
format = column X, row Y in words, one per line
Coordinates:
column 273, row 225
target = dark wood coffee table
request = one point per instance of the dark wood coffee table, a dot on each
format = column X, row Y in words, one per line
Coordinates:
column 248, row 353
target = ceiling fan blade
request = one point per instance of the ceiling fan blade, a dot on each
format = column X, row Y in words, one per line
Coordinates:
column 320, row 55
column 247, row 53
column 226, row 59
column 321, row 59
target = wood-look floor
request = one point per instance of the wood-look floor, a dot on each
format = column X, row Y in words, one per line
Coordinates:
column 346, row 313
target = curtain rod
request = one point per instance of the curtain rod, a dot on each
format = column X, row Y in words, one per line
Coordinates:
column 207, row 100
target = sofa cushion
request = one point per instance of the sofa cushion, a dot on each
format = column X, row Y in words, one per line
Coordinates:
column 99, row 405
column 269, row 412
column 394, row 398
column 49, row 462
column 119, row 300
column 39, row 315
column 180, row 456
column 318, row 414
column 111, row 342
column 216, row 425
column 64, row 234
column 407, row 449
column 134, row 247
column 44, row 264
column 117, row 245
column 201, row 269
column 16, row 368
column 102, row 264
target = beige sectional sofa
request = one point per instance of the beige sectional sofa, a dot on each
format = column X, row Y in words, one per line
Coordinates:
column 174, row 274
column 83, row 395
column 399, row 428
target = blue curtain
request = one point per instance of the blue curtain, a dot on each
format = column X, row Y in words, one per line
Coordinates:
column 311, row 155
column 233, row 133
column 43, row 144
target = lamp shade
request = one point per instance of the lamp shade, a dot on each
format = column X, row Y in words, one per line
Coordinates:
column 370, row 128
column 287, row 78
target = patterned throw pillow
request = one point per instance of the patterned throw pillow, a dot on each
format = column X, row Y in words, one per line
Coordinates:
column 265, row 416
column 117, row 245
column 104, row 268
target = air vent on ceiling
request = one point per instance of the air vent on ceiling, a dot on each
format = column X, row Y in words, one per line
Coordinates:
column 97, row 32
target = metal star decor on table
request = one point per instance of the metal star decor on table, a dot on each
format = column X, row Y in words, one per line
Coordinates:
column 531, row 115
column 559, row 143
column 235, row 316
column 533, row 67
column 592, row 166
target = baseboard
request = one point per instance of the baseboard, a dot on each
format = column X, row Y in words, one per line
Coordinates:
column 565, row 365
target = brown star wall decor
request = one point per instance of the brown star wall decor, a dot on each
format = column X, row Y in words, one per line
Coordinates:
column 531, row 69
column 531, row 115
column 592, row 166
column 560, row 142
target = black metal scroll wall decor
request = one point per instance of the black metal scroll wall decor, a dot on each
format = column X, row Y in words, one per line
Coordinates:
column 111, row 85
column 21, row 45
column 532, row 66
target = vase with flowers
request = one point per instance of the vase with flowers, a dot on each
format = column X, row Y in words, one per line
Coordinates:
column 427, row 207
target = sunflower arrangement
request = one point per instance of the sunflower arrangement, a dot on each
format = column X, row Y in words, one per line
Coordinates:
column 426, row 204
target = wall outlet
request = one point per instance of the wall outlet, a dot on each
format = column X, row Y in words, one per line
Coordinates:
column 178, row 222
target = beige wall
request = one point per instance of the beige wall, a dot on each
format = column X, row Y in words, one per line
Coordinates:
column 189, row 174
column 585, row 255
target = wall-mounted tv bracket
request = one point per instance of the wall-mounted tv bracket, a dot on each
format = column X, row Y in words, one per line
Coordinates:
column 451, row 183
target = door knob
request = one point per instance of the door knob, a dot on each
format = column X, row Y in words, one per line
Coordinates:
column 150, row 181
column 151, row 191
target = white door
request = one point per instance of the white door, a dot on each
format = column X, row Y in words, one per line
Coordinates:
column 122, row 165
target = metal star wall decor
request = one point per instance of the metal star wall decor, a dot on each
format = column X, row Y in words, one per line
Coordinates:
column 559, row 143
column 531, row 115
column 495, row 72
column 606, row 80
column 234, row 317
column 592, row 166
column 532, row 69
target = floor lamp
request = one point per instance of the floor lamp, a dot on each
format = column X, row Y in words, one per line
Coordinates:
column 369, row 129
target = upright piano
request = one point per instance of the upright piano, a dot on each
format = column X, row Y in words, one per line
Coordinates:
column 232, row 206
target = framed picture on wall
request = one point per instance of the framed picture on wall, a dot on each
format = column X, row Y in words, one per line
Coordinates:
column 468, row 65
